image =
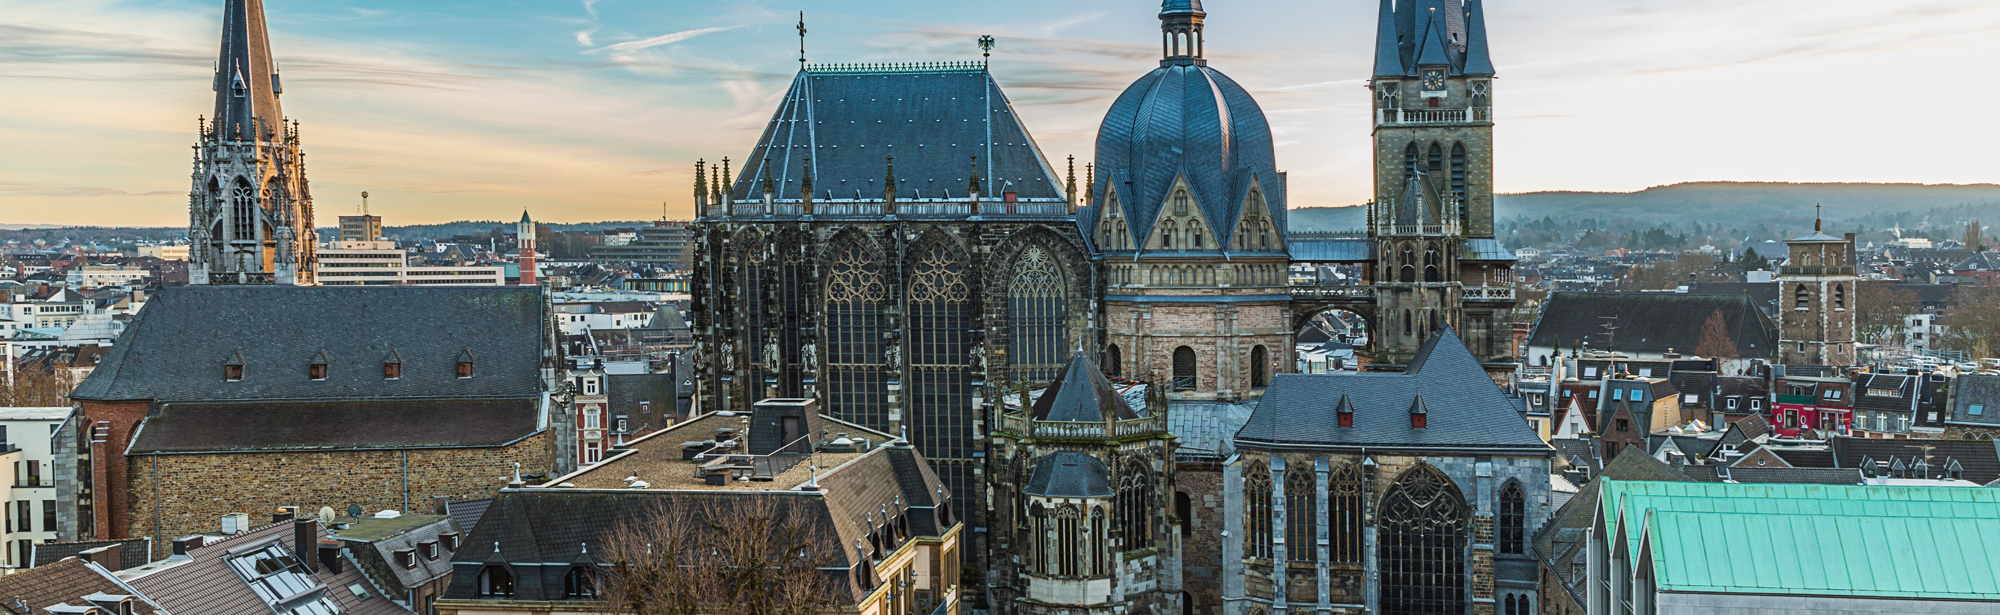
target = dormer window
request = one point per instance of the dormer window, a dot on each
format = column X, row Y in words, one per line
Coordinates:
column 392, row 365
column 450, row 540
column 496, row 582
column 429, row 549
column 465, row 364
column 317, row 371
column 1345, row 412
column 1419, row 414
column 232, row 369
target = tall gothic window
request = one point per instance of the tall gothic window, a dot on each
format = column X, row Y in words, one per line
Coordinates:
column 243, row 219
column 1135, row 505
column 855, row 296
column 1410, row 160
column 940, row 310
column 1423, row 530
column 1100, row 543
column 1513, row 519
column 1409, row 269
column 1035, row 317
column 792, row 295
column 1069, row 525
column 1184, row 379
column 1038, row 538
column 1260, row 367
column 750, row 350
column 1181, row 203
column 1256, row 511
column 1458, row 179
column 1114, row 360
column 1343, row 507
column 1431, row 262
column 1801, row 297
column 1436, row 158
column 1301, row 514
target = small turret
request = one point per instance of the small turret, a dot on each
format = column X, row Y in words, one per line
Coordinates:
column 889, row 188
column 806, row 188
column 700, row 189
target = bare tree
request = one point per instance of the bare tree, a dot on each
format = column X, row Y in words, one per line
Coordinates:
column 1974, row 323
column 1715, row 340
column 741, row 555
column 33, row 386
column 1879, row 310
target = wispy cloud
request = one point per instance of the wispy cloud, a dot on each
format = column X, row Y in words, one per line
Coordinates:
column 664, row 39
column 20, row 189
column 583, row 37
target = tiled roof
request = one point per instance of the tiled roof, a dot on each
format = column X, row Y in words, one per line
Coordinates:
column 62, row 582
column 1980, row 458
column 1560, row 541
column 392, row 424
column 386, row 537
column 625, row 392
column 246, row 77
column 1463, row 407
column 1800, row 476
column 466, row 513
column 205, row 583
column 1081, row 394
column 1974, row 392
column 176, row 348
column 1206, row 428
column 1485, row 250
column 1652, row 322
column 132, row 553
column 1332, row 250
column 932, row 121
column 1414, row 33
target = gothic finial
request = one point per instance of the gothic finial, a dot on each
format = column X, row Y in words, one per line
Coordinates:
column 1069, row 189
column 1816, row 218
column 802, row 40
column 1089, row 181
column 806, row 178
column 728, row 180
column 986, row 50
column 700, row 187
column 889, row 187
column 974, row 184
column 769, row 188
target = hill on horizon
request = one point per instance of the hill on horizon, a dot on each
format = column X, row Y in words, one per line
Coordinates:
column 1728, row 203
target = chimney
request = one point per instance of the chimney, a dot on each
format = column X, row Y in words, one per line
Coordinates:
column 285, row 513
column 329, row 554
column 305, row 536
column 106, row 556
column 189, row 543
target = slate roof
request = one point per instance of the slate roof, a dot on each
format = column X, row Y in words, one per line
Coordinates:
column 1415, row 33
column 1332, row 250
column 205, row 583
column 1980, row 458
column 465, row 513
column 1186, row 120
column 1069, row 474
column 63, row 582
column 1652, row 322
column 175, row 349
column 625, row 391
column 132, row 553
column 932, row 121
column 1580, row 448
column 1081, row 394
column 1560, row 542
column 246, row 77
column 1764, row 295
column 1974, row 391
column 337, row 425
column 1485, row 250
column 1464, row 409
column 1206, row 429
column 1908, row 389
column 388, row 536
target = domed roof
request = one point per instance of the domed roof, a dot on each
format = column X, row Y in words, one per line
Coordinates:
column 1186, row 120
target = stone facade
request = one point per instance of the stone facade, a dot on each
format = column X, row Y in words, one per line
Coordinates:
column 1201, row 536
column 179, row 495
column 1816, row 295
column 1224, row 336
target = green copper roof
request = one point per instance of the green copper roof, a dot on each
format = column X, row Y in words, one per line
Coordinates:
column 1846, row 540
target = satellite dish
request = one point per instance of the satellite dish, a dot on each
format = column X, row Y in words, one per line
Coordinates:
column 326, row 515
column 354, row 510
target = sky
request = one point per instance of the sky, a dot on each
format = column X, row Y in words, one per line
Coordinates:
column 585, row 110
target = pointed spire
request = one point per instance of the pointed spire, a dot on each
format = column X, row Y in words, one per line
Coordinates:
column 728, row 181
column 244, row 65
column 1069, row 189
column 1477, row 61
column 1432, row 51
column 1388, row 57
column 770, row 187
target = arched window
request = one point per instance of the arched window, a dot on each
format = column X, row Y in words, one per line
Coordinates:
column 940, row 312
column 1114, row 360
column 1260, row 367
column 750, row 291
column 855, row 297
column 243, row 215
column 1410, row 160
column 496, row 582
column 1167, row 231
column 1513, row 608
column 1069, row 539
column 1409, row 271
column 1343, row 508
column 1100, row 544
column 1256, row 511
column 1136, row 505
column 1038, row 538
column 1407, row 327
column 1184, row 378
column 1301, row 514
column 1035, row 317
column 1436, row 158
column 1801, row 298
column 1181, row 202
column 1194, row 235
column 1423, row 531
column 1431, row 263
column 1513, row 519
column 580, row 584
column 1458, row 178
column 1839, row 296
column 792, row 308
column 1184, row 511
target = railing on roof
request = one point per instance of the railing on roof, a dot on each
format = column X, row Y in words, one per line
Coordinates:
column 1816, row 270
column 894, row 67
column 1333, row 292
column 935, row 208
column 1021, row 424
column 1417, row 229
column 848, row 209
column 928, row 207
column 1489, row 293
column 1421, row 116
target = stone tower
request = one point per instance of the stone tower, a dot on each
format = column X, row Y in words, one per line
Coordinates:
column 524, row 236
column 1816, row 286
column 1187, row 213
column 250, row 213
column 1437, row 262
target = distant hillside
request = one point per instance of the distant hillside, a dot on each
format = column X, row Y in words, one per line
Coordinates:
column 1730, row 204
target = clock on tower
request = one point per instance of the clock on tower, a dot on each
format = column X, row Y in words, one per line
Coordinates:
column 1433, row 83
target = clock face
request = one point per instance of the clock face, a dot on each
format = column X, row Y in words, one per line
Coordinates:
column 1433, row 80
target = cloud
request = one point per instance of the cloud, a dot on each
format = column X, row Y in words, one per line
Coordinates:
column 664, row 39
column 1323, row 85
column 20, row 189
column 590, row 6
column 583, row 37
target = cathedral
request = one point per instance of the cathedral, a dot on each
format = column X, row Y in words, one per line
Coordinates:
column 897, row 246
column 250, row 212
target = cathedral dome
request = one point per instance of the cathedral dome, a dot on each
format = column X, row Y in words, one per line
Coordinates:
column 1185, row 121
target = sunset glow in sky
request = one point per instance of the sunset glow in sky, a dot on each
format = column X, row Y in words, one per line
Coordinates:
column 583, row 110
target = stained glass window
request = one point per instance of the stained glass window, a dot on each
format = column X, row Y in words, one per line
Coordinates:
column 1424, row 526
column 855, row 294
column 940, row 381
column 1257, row 511
column 1035, row 316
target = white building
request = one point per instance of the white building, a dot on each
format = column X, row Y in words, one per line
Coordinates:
column 58, row 311
column 99, row 276
column 165, row 253
column 1920, row 331
column 30, row 497
column 381, row 263
column 581, row 318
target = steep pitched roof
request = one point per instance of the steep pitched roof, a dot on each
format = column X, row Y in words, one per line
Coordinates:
column 246, row 78
column 175, row 349
column 205, row 583
column 1463, row 408
column 1651, row 322
column 1069, row 474
column 1081, row 393
column 1976, row 400
column 932, row 121
column 338, row 425
column 64, row 582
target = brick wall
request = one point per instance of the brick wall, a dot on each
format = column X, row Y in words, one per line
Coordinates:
column 177, row 495
column 108, row 429
column 1201, row 552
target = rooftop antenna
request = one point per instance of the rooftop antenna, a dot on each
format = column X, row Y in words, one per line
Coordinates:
column 985, row 50
column 802, row 40
column 1816, row 217
column 364, row 202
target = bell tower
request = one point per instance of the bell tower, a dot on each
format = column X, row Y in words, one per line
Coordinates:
column 1437, row 261
column 250, row 213
column 1816, row 292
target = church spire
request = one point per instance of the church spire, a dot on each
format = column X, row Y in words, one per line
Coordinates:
column 1477, row 62
column 246, row 79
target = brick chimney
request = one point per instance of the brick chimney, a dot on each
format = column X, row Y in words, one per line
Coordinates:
column 305, row 543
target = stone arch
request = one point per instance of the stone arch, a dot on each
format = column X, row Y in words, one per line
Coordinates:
column 856, row 293
column 1260, row 367
column 999, row 284
column 939, row 310
column 749, row 282
column 1186, row 370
